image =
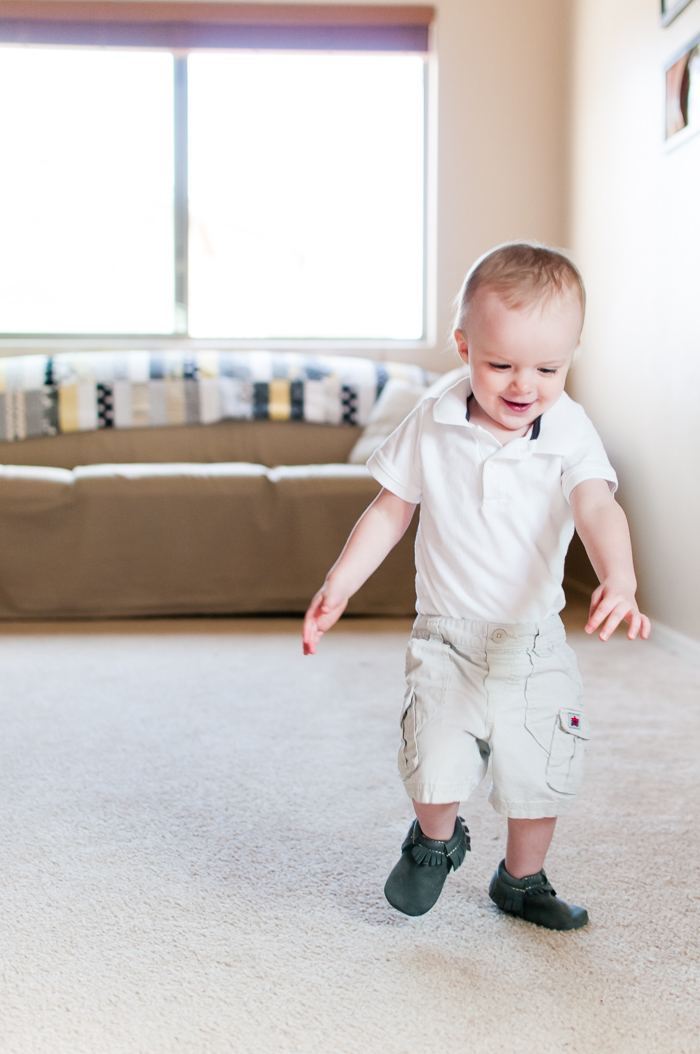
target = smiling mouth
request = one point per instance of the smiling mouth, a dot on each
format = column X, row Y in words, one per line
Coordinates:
column 519, row 408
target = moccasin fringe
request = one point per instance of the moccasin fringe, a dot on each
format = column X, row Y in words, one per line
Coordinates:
column 431, row 853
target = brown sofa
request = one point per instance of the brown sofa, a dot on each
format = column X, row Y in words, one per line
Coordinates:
column 223, row 518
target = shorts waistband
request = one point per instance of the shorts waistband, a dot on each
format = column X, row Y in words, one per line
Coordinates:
column 466, row 633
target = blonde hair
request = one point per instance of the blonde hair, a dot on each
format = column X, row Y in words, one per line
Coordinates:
column 522, row 274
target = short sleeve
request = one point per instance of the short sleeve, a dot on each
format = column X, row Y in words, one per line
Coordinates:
column 396, row 464
column 586, row 460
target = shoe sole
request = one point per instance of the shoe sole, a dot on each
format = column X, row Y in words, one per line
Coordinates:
column 575, row 923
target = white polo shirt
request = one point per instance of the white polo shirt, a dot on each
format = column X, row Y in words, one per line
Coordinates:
column 495, row 520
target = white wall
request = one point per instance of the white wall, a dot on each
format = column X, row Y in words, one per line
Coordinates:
column 502, row 119
column 636, row 234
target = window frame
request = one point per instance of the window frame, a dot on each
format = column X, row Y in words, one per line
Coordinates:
column 184, row 27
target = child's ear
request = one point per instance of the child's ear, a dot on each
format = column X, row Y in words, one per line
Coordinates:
column 462, row 346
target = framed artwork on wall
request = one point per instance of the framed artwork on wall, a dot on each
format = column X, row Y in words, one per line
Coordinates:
column 683, row 93
column 671, row 8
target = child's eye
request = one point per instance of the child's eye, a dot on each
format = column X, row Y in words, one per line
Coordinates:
column 546, row 370
column 499, row 365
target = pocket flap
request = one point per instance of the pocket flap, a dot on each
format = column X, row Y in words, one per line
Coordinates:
column 575, row 723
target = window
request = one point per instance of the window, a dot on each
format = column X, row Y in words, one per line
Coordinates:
column 210, row 190
column 86, row 191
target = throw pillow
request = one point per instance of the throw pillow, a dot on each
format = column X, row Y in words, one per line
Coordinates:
column 397, row 400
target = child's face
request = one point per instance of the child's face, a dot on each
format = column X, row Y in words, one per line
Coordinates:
column 518, row 359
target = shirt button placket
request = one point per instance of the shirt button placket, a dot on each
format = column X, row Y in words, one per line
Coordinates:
column 489, row 483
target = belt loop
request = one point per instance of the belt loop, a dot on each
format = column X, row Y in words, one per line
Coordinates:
column 435, row 631
column 540, row 646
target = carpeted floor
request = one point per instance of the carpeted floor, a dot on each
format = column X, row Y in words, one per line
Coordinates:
column 196, row 823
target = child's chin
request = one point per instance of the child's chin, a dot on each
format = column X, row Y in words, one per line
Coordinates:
column 518, row 420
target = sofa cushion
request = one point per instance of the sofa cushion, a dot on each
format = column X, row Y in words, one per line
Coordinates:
column 128, row 540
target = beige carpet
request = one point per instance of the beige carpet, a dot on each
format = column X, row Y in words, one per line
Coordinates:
column 196, row 823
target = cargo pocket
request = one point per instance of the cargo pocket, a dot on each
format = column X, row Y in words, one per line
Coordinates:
column 565, row 765
column 408, row 751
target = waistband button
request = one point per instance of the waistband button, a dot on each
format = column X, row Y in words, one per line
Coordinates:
column 498, row 635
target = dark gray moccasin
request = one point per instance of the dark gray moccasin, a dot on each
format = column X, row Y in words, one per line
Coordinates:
column 533, row 899
column 417, row 880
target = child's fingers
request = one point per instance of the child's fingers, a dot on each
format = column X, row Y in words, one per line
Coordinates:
column 310, row 634
column 623, row 613
column 595, row 597
column 639, row 626
column 635, row 624
column 609, row 612
column 611, row 623
column 599, row 612
column 324, row 611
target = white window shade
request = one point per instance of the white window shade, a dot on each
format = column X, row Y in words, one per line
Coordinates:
column 86, row 191
column 306, row 195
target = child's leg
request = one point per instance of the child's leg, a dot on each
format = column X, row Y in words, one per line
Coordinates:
column 528, row 842
column 437, row 821
column 435, row 844
column 520, row 885
column 443, row 755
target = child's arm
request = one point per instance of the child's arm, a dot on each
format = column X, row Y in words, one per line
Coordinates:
column 602, row 527
column 374, row 535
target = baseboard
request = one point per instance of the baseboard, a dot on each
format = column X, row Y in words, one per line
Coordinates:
column 685, row 648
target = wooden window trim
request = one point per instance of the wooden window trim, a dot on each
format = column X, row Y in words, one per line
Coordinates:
column 216, row 25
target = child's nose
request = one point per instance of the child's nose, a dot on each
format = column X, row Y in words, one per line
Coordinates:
column 522, row 382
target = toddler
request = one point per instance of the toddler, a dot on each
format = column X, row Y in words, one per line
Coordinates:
column 504, row 465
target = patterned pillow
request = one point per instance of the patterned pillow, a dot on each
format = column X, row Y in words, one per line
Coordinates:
column 81, row 391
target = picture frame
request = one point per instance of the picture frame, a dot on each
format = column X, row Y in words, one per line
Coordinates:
column 682, row 110
column 670, row 9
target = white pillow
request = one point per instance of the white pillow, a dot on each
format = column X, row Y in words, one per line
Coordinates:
column 397, row 400
column 445, row 381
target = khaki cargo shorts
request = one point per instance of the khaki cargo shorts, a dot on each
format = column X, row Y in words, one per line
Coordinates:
column 478, row 691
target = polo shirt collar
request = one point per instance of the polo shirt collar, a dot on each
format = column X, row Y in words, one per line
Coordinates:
column 451, row 405
column 549, row 433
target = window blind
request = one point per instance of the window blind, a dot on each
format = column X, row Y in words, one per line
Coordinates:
column 106, row 23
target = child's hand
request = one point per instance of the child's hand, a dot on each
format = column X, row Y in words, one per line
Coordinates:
column 324, row 611
column 614, row 604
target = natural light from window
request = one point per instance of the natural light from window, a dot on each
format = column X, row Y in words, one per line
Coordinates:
column 86, row 189
column 306, row 196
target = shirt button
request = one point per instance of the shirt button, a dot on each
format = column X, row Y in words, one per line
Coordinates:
column 498, row 635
